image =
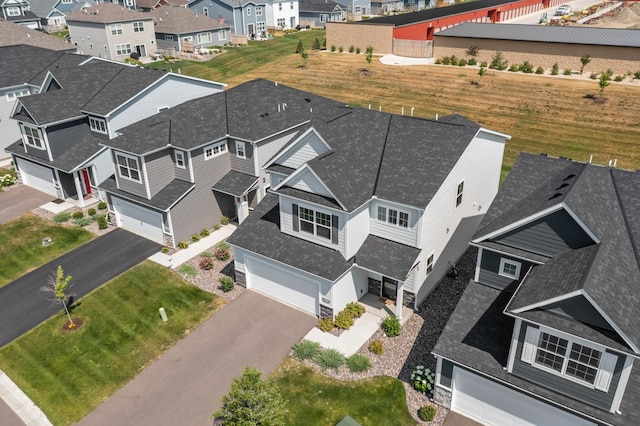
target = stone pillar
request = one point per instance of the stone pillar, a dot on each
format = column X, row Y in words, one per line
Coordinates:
column 241, row 279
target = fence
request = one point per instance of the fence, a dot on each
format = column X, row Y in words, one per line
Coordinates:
column 413, row 48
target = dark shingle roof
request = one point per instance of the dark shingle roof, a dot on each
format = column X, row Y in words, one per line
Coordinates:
column 162, row 201
column 620, row 37
column 105, row 13
column 235, row 183
column 178, row 20
column 260, row 233
column 386, row 257
column 326, row 6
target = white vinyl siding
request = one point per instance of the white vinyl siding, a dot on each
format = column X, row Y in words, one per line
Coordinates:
column 307, row 148
column 358, row 230
column 123, row 49
column 116, row 29
column 386, row 219
column 12, row 96
column 307, row 181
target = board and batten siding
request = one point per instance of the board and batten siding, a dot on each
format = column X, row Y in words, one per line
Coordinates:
column 306, row 148
column 407, row 236
column 242, row 165
column 286, row 222
column 587, row 395
column 357, row 230
column 550, row 235
column 128, row 185
column 307, row 181
column 65, row 136
column 201, row 207
column 170, row 92
column 489, row 273
column 160, row 170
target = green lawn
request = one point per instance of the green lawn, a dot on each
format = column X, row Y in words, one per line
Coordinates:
column 21, row 247
column 239, row 60
column 315, row 399
column 68, row 374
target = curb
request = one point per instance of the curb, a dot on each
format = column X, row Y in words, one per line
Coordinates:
column 20, row 403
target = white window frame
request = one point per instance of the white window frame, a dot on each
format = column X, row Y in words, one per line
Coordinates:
column 429, row 264
column 123, row 49
column 116, row 29
column 503, row 262
column 282, row 22
column 98, row 125
column 241, row 151
column 205, row 11
column 291, row 5
column 180, row 159
column 459, row 193
column 316, row 221
column 248, row 11
column 138, row 27
column 163, row 108
column 203, row 36
column 280, row 7
column 67, row 1
column 12, row 96
column 128, row 167
column 393, row 217
column 214, row 150
column 13, row 11
column 168, row 37
column 258, row 10
column 33, row 137
column 222, row 34
column 261, row 26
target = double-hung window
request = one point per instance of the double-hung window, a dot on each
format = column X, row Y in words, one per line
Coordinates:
column 222, row 34
column 98, row 125
column 168, row 37
column 13, row 11
column 128, row 167
column 258, row 10
column 32, row 137
column 459, row 192
column 138, row 27
column 180, row 163
column 429, row 263
column 116, row 29
column 393, row 217
column 240, row 150
column 123, row 49
column 282, row 22
column 214, row 150
column 204, row 38
column 509, row 268
column 315, row 223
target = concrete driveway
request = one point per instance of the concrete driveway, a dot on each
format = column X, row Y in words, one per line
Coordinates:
column 22, row 304
column 185, row 385
column 17, row 201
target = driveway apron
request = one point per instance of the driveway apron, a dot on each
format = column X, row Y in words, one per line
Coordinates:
column 185, row 385
column 23, row 305
column 17, row 201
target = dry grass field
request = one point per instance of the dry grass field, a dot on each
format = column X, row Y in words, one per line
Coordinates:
column 557, row 115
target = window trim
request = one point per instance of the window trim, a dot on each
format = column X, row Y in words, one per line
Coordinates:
column 13, row 11
column 249, row 11
column 98, row 125
column 180, row 158
column 241, row 147
column 29, row 138
column 212, row 148
column 395, row 218
column 429, row 263
column 205, row 11
column 168, row 37
column 205, row 34
column 459, row 193
column 315, row 224
column 126, row 51
column 222, row 34
column 503, row 262
column 139, row 28
column 258, row 10
column 116, row 29
column 128, row 167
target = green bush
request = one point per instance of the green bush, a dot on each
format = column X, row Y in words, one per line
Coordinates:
column 554, row 69
column 206, row 254
column 330, row 358
column 526, row 67
column 609, row 72
column 462, row 63
column 358, row 363
column 377, row 347
column 358, row 50
column 216, row 226
column 224, row 220
column 355, row 309
column 164, row 249
column 77, row 215
column 352, row 48
column 333, row 47
column 195, row 238
column 483, row 64
column 539, row 70
column 498, row 62
column 453, row 60
column 222, row 254
column 567, row 71
column 427, row 413
column 446, row 60
column 62, row 217
column 343, row 320
column 83, row 221
column 325, row 324
column 636, row 75
column 183, row 244
column 423, row 380
column 340, row 49
column 618, row 78
column 204, row 233
column 306, row 350
column 391, row 326
column 91, row 212
column 438, row 61
column 316, row 44
column 514, row 68
column 226, row 284
column 206, row 263
column 593, row 76
column 102, row 221
column 188, row 270
column 473, row 61
column 7, row 180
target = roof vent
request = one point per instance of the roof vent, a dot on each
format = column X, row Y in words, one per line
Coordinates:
column 564, row 185
column 307, row 99
column 569, row 177
column 556, row 195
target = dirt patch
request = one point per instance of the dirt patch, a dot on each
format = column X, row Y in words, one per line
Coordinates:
column 72, row 326
column 627, row 16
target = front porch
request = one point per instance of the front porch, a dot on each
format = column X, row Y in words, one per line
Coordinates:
column 381, row 307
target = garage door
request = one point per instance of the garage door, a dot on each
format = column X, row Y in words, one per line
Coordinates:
column 138, row 219
column 490, row 403
column 37, row 176
column 285, row 286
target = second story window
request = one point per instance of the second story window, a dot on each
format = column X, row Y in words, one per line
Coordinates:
column 430, row 263
column 128, row 167
column 138, row 27
column 214, row 150
column 291, row 5
column 98, row 125
column 393, row 217
column 116, row 29
column 509, row 268
column 13, row 11
column 180, row 163
column 32, row 137
column 258, row 10
column 459, row 192
column 279, row 6
column 240, row 151
column 315, row 223
column 248, row 11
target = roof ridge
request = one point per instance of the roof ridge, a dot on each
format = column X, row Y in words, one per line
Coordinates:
column 384, row 147
column 625, row 218
column 104, row 86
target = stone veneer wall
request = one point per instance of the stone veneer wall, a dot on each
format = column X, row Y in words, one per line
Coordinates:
column 241, row 279
column 326, row 312
column 344, row 34
column 409, row 299
column 567, row 56
column 442, row 397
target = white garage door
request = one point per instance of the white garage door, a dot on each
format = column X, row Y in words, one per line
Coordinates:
column 138, row 219
column 286, row 286
column 37, row 176
column 493, row 404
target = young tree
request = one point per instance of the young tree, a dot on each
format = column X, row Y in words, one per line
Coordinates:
column 304, row 56
column 58, row 285
column 604, row 82
column 300, row 47
column 584, row 60
column 369, row 55
column 482, row 71
column 316, row 44
column 252, row 400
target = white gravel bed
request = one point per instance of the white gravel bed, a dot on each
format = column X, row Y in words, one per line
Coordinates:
column 207, row 280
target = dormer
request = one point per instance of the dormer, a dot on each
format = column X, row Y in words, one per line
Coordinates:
column 98, row 125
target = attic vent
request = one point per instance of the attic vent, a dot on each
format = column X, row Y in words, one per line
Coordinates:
column 569, row 176
column 564, row 185
column 307, row 99
column 556, row 195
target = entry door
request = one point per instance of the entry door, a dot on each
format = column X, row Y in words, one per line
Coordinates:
column 293, row 22
column 251, row 30
column 87, row 181
column 142, row 50
column 389, row 288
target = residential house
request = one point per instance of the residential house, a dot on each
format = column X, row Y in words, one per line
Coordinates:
column 316, row 13
column 180, row 171
column 53, row 13
column 386, row 7
column 548, row 330
column 357, row 7
column 368, row 202
column 12, row 34
column 17, row 11
column 416, row 5
column 178, row 29
column 80, row 107
column 24, row 70
column 112, row 32
column 147, row 5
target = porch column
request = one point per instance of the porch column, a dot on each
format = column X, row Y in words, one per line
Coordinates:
column 76, row 181
column 399, row 295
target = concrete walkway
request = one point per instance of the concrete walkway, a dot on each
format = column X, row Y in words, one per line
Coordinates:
column 18, row 409
column 350, row 340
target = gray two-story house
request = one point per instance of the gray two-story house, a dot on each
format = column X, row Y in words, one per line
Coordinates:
column 548, row 330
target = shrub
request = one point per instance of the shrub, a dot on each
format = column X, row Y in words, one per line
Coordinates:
column 206, row 263
column 514, row 68
column 316, row 44
column 427, row 413
column 526, row 67
column 618, row 78
column 567, row 71
column 498, row 62
column 482, row 71
column 358, row 50
column 340, row 49
column 593, row 76
column 164, row 249
column 423, row 380
column 391, row 326
column 343, row 320
column 306, row 350
column 325, row 324
column 539, row 70
column 83, row 221
column 438, row 61
column 636, row 75
column 224, row 220
column 183, row 244
column 377, row 347
column 453, row 60
column 352, row 49
column 483, row 64
column 195, row 237
column 355, row 309
column 204, row 233
column 473, row 51
column 462, row 63
column 358, row 363
column 473, row 61
column 222, row 253
column 446, row 60
column 62, row 217
column 102, row 222
column 91, row 212
column 226, row 284
column 330, row 358
column 206, row 254
column 102, row 205
column 188, row 270
column 7, row 180
column 609, row 72
column 333, row 47
column 555, row 69
column 77, row 215
column 216, row 226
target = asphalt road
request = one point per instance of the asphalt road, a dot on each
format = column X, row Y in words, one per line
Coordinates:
column 23, row 305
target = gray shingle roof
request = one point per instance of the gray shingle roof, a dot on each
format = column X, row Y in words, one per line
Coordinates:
column 260, row 233
column 235, row 183
column 42, row 8
column 620, row 37
column 106, row 13
column 386, row 257
column 326, row 6
column 164, row 199
column 178, row 20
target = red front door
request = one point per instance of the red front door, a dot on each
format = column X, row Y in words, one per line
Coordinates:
column 87, row 182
